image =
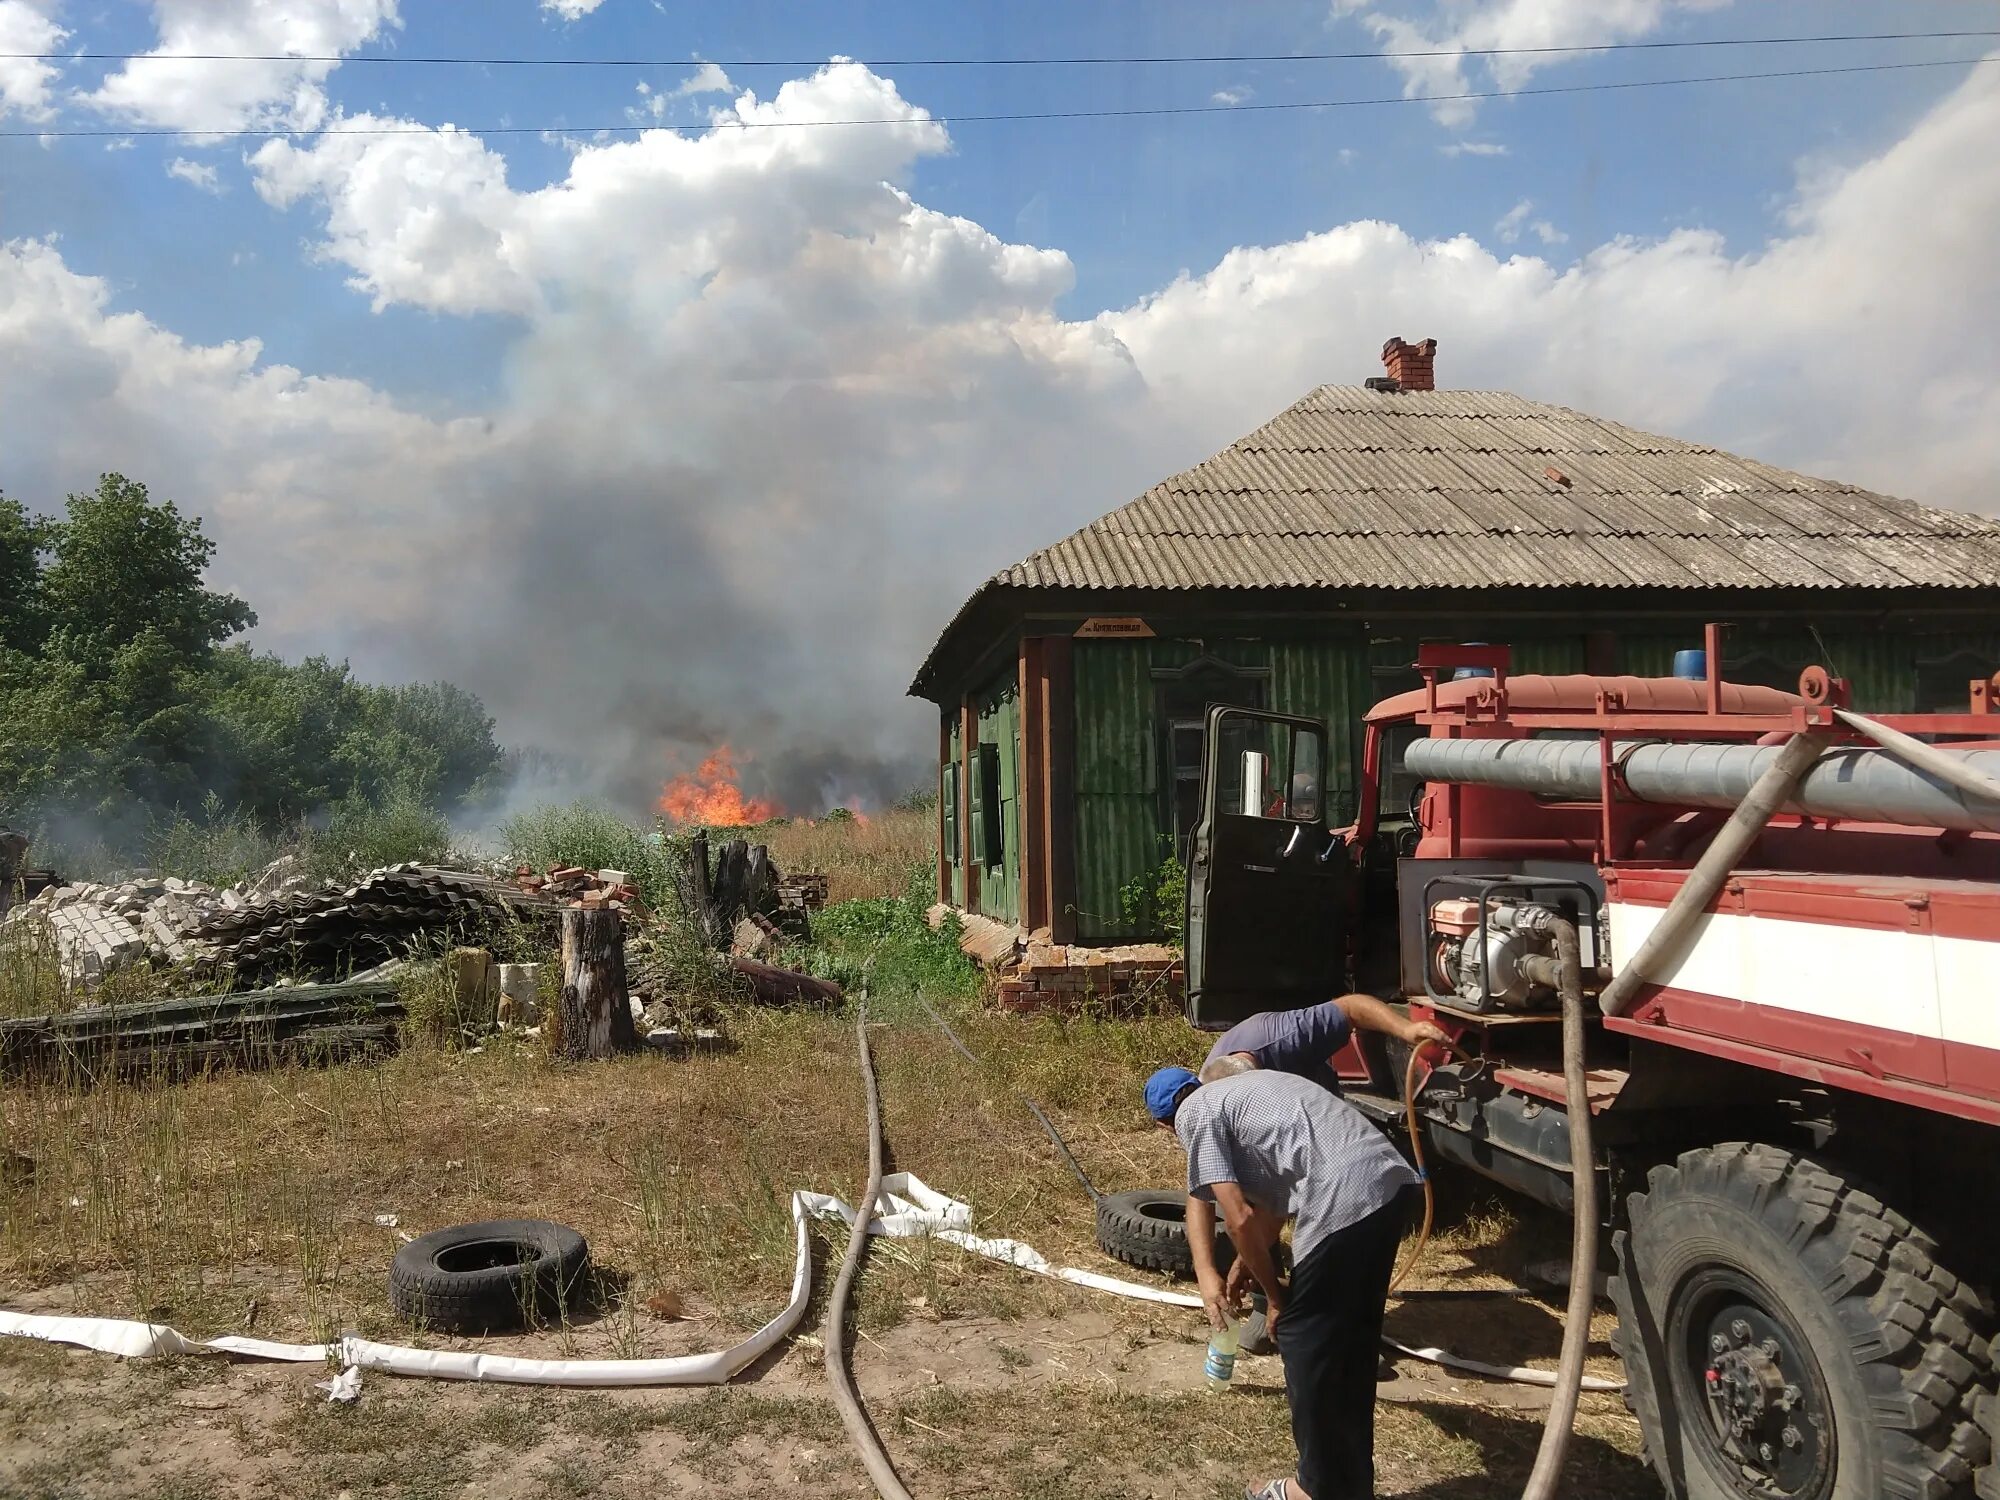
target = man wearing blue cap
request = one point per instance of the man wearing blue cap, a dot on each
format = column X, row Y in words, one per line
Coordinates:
column 1301, row 1041
column 1268, row 1147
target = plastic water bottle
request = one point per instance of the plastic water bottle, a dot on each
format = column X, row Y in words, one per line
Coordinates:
column 1220, row 1363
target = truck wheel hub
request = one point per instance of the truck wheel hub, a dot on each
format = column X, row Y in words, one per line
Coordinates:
column 1761, row 1411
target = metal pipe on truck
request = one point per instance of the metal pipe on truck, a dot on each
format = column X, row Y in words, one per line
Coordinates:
column 1866, row 786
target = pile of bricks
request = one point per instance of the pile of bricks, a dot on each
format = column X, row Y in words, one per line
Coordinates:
column 572, row 885
column 98, row 929
column 799, row 895
column 1032, row 974
column 1047, row 976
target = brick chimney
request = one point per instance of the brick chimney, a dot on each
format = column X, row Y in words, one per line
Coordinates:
column 1409, row 365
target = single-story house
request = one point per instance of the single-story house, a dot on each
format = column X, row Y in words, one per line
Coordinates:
column 1298, row 569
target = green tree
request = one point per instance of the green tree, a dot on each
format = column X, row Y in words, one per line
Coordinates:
column 122, row 566
column 120, row 701
column 22, row 539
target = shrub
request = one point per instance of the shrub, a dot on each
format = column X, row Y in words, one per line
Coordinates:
column 218, row 847
column 361, row 835
column 1155, row 903
column 593, row 837
column 888, row 944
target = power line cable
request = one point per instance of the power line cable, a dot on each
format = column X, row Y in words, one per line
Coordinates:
column 637, row 128
column 1106, row 60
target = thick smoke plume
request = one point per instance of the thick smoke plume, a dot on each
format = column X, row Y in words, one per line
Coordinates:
column 767, row 419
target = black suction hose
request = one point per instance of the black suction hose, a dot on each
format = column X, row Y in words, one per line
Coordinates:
column 1565, row 975
column 874, row 1457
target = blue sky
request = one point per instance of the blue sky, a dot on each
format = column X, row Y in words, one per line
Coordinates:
column 1133, row 201
column 743, row 416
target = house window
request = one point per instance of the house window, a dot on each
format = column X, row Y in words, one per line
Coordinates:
column 948, row 802
column 1760, row 669
column 1397, row 784
column 992, row 835
column 1944, row 683
column 1182, row 699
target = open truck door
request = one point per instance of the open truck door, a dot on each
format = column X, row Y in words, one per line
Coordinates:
column 1268, row 884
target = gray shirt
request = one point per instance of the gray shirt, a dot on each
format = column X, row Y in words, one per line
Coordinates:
column 1294, row 1149
column 1299, row 1041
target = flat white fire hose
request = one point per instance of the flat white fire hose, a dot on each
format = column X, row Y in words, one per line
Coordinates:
column 907, row 1208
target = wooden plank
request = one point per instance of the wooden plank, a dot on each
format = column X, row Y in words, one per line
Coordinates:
column 1033, row 788
column 1491, row 1017
column 968, row 751
column 1059, row 792
column 195, row 1025
column 944, row 855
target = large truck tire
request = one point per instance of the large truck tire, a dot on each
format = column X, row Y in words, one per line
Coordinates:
column 1786, row 1336
column 1148, row 1229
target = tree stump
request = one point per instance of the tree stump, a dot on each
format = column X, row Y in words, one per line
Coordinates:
column 596, row 1018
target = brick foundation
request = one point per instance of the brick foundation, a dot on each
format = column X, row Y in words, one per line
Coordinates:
column 1028, row 974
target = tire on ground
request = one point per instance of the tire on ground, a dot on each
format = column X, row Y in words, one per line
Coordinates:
column 1148, row 1229
column 1901, row 1343
column 490, row 1277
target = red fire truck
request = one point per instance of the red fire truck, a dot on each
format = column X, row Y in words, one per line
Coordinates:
column 1793, row 1043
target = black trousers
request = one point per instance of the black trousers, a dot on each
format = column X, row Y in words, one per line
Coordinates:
column 1330, row 1340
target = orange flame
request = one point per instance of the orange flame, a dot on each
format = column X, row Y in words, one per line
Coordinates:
column 711, row 796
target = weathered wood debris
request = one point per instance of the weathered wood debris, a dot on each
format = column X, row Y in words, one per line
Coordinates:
column 293, row 1022
column 744, row 907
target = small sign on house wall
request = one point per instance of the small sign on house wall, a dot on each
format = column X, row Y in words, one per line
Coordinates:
column 1131, row 627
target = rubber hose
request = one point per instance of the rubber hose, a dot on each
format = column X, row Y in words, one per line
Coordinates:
column 1423, row 1166
column 1556, row 1431
column 846, row 1398
column 1732, row 841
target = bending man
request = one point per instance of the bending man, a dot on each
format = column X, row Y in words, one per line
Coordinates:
column 1264, row 1148
column 1300, row 1042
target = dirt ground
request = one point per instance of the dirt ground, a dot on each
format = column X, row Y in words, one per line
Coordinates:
column 248, row 1202
column 1098, row 1397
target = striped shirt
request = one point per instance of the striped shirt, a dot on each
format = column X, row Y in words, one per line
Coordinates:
column 1299, row 1041
column 1294, row 1149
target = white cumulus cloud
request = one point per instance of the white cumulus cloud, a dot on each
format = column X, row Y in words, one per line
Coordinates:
column 1513, row 223
column 28, row 26
column 657, row 104
column 571, row 10
column 1448, row 30
column 766, row 418
column 173, row 88
column 197, row 173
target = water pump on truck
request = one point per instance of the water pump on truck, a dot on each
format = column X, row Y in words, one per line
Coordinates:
column 1787, row 935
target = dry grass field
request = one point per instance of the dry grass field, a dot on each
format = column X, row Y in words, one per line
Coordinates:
column 247, row 1201
column 865, row 857
column 258, row 1202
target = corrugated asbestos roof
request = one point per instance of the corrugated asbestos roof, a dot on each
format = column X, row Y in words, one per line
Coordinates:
column 1449, row 489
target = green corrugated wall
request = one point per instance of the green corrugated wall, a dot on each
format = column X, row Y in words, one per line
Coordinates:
column 1120, row 832
column 1881, row 664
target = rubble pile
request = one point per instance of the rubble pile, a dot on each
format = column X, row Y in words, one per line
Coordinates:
column 331, row 930
column 276, row 926
column 97, row 929
column 798, row 896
